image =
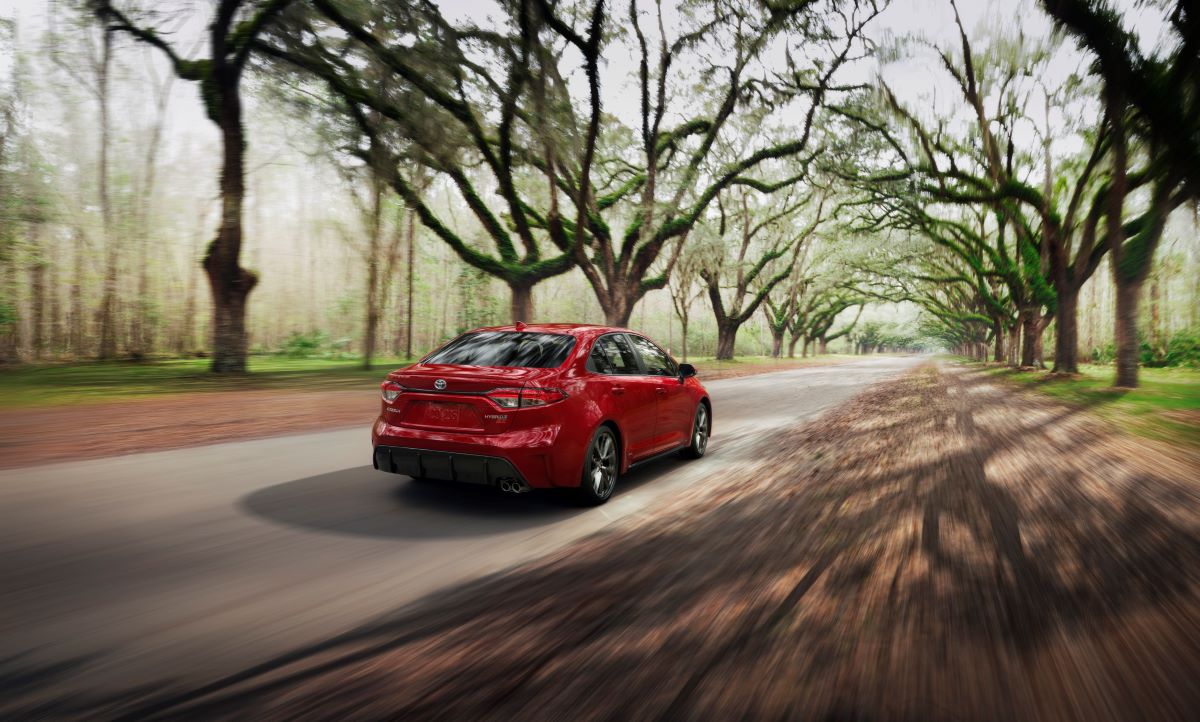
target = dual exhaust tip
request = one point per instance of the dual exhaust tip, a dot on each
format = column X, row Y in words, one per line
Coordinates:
column 513, row 486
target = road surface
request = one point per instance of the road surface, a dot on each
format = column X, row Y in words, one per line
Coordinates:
column 176, row 568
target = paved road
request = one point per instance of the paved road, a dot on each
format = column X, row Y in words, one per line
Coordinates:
column 181, row 566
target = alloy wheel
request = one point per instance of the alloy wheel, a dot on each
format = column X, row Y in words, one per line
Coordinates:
column 700, row 434
column 603, row 465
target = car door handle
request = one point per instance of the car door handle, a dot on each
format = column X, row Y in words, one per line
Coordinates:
column 661, row 391
column 618, row 390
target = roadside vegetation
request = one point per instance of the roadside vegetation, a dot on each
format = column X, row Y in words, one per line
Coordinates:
column 55, row 384
column 1165, row 406
column 100, row 381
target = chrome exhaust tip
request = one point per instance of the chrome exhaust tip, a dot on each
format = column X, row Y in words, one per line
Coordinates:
column 513, row 486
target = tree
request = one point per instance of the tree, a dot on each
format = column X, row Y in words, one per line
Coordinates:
column 684, row 292
column 1053, row 229
column 549, row 147
column 232, row 31
column 11, row 203
column 781, row 312
column 672, row 197
column 763, row 235
column 431, row 106
column 141, row 330
column 24, row 209
column 1154, row 99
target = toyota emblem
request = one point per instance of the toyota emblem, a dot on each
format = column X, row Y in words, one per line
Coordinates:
column 440, row 384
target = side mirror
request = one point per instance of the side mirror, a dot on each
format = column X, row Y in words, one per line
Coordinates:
column 686, row 370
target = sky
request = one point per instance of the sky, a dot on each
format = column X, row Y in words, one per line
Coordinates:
column 932, row 19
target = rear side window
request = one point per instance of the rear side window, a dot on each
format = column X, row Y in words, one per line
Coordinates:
column 612, row 355
column 505, row 348
column 657, row 362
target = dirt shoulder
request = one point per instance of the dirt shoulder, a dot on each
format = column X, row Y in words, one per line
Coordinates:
column 31, row 436
column 937, row 549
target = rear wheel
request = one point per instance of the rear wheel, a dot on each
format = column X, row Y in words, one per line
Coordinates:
column 599, row 468
column 701, row 426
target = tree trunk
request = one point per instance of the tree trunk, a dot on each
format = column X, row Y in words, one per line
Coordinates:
column 1126, row 333
column 1029, row 334
column 1038, row 346
column 823, row 346
column 998, row 341
column 776, row 343
column 372, row 317
column 1093, row 312
column 792, row 346
column 10, row 327
column 230, row 283
column 522, row 302
column 140, row 331
column 1066, row 331
column 726, row 337
column 804, row 348
column 683, row 328
column 411, row 233
column 1156, row 334
column 55, row 304
column 620, row 307
column 78, row 322
column 37, row 335
column 108, row 302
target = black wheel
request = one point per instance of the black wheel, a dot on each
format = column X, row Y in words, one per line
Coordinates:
column 701, row 425
column 599, row 468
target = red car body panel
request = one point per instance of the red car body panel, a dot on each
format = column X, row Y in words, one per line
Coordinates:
column 546, row 444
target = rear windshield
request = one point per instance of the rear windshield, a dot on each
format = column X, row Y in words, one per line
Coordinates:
column 505, row 348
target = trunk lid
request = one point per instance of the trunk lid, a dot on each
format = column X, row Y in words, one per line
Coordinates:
column 460, row 403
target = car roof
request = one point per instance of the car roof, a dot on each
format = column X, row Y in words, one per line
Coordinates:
column 579, row 330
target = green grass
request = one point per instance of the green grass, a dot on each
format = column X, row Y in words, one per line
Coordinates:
column 53, row 384
column 1165, row 406
column 56, row 384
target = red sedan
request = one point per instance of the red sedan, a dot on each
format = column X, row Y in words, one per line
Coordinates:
column 535, row 406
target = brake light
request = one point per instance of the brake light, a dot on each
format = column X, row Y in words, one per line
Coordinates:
column 506, row 398
column 390, row 390
column 540, row 397
column 525, row 398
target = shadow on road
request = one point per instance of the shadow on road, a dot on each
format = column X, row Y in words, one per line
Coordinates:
column 365, row 502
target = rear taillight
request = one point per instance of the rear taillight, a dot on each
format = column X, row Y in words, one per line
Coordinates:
column 540, row 397
column 390, row 391
column 505, row 398
column 525, row 398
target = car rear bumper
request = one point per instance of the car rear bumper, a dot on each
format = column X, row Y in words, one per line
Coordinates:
column 446, row 466
column 537, row 456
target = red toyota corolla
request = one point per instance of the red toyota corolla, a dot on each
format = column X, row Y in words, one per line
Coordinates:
column 534, row 406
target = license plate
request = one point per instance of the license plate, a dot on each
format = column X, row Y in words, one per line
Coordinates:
column 443, row 413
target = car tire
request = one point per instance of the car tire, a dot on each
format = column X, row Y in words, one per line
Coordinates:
column 601, row 466
column 701, row 426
